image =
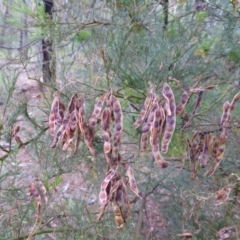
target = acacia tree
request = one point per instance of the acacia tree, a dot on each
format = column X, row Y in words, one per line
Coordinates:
column 127, row 53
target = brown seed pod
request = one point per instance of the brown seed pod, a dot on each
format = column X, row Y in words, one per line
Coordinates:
column 235, row 100
column 33, row 192
column 193, row 145
column 219, row 155
column 53, row 115
column 118, row 216
column 15, row 131
column 203, row 157
column 197, row 105
column 81, row 114
column 103, row 195
column 105, row 125
column 170, row 119
column 143, row 142
column 147, row 103
column 60, row 133
column 226, row 112
column 118, row 127
column 223, row 194
column 121, row 199
column 97, row 111
column 132, row 182
column 154, row 138
column 43, row 191
column 149, row 120
column 60, row 113
column 89, row 140
column 72, row 103
column 182, row 104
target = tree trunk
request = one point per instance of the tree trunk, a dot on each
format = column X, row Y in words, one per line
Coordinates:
column 165, row 14
column 24, row 37
column 49, row 62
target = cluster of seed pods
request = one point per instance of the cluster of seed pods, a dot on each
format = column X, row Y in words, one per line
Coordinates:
column 158, row 119
column 108, row 113
column 204, row 146
column 38, row 192
column 114, row 190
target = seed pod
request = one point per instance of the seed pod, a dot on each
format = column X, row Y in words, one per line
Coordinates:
column 226, row 112
column 193, row 154
column 132, row 183
column 103, row 195
column 105, row 125
column 143, row 142
column 203, row 157
column 217, row 160
column 154, row 134
column 223, row 194
column 72, row 103
column 118, row 216
column 60, row 113
column 182, row 104
column 235, row 100
column 33, row 192
column 15, row 131
column 53, row 115
column 149, row 121
column 81, row 113
column 43, row 191
column 97, row 111
column 70, row 131
column 121, row 199
column 118, row 127
column 145, row 108
column 61, row 130
column 89, row 140
column 197, row 105
column 170, row 119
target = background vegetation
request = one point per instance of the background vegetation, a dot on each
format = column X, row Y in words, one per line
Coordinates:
column 130, row 47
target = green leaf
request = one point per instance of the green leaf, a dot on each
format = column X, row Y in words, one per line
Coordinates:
column 56, row 182
column 200, row 16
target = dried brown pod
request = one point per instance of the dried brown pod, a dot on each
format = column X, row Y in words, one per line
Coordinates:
column 33, row 193
column 147, row 103
column 223, row 194
column 193, row 145
column 81, row 114
column 60, row 113
column 197, row 105
column 226, row 112
column 118, row 216
column 149, row 120
column 204, row 154
column 103, row 195
column 170, row 119
column 143, row 142
column 118, row 127
column 15, row 131
column 89, row 139
column 132, row 182
column 97, row 111
column 154, row 139
column 60, row 133
column 216, row 148
column 72, row 103
column 43, row 191
column 121, row 198
column 105, row 125
column 235, row 100
column 182, row 104
column 53, row 115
